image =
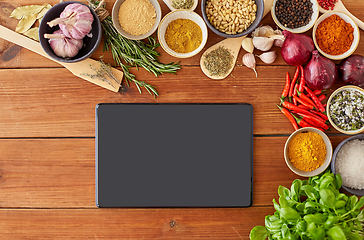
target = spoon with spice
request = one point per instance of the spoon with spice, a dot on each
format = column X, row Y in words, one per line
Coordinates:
column 218, row 61
column 325, row 6
column 181, row 4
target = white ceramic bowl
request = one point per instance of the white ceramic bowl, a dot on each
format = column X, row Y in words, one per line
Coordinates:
column 169, row 4
column 115, row 20
column 315, row 14
column 329, row 102
column 356, row 33
column 181, row 14
column 328, row 153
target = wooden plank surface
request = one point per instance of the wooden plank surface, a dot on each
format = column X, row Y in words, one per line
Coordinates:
column 47, row 145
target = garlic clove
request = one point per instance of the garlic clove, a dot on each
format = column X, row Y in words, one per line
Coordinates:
column 268, row 57
column 247, row 45
column 278, row 42
column 249, row 61
column 263, row 43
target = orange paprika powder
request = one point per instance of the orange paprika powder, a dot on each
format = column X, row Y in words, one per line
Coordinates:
column 334, row 36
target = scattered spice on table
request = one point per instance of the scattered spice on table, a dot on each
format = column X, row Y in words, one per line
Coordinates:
column 307, row 151
column 183, row 35
column 137, row 17
column 327, row 4
column 182, row 4
column 334, row 36
column 347, row 110
column 219, row 61
column 294, row 14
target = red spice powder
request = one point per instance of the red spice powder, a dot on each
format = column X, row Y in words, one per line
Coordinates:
column 334, row 36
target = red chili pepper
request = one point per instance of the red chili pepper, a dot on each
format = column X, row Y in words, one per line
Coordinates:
column 294, row 79
column 320, row 114
column 315, row 99
column 305, row 98
column 295, row 94
column 293, row 107
column 303, row 102
column 302, row 83
column 317, row 122
column 302, row 122
column 321, row 97
column 286, row 86
column 310, row 115
column 303, row 107
column 289, row 116
column 318, row 92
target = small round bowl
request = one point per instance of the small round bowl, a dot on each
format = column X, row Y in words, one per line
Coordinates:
column 169, row 5
column 329, row 102
column 315, row 14
column 356, row 34
column 181, row 14
column 90, row 44
column 256, row 22
column 115, row 20
column 328, row 153
column 333, row 166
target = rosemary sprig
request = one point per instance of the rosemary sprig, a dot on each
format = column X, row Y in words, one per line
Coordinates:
column 135, row 53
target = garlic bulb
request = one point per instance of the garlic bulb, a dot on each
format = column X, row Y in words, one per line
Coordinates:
column 75, row 21
column 263, row 43
column 63, row 46
column 268, row 57
column 249, row 61
column 247, row 44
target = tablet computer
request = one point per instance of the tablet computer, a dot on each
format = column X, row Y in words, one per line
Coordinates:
column 174, row 155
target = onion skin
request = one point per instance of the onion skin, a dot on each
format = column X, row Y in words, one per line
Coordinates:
column 351, row 70
column 297, row 48
column 320, row 73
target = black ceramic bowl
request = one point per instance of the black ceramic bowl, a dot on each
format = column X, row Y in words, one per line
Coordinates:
column 90, row 44
column 258, row 18
column 333, row 161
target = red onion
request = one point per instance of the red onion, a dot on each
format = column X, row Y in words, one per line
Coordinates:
column 297, row 48
column 351, row 70
column 320, row 73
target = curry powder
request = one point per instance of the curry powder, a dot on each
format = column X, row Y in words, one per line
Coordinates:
column 334, row 36
column 307, row 151
column 183, row 35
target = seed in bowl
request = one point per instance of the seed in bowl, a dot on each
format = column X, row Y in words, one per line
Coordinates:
column 347, row 110
column 137, row 17
column 183, row 35
column 294, row 14
column 231, row 16
column 350, row 164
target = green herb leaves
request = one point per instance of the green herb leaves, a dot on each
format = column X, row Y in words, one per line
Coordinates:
column 314, row 209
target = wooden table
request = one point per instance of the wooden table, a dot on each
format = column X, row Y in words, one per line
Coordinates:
column 47, row 144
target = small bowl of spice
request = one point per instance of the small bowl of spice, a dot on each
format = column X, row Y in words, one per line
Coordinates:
column 136, row 19
column 181, row 4
column 348, row 161
column 232, row 18
column 308, row 152
column 345, row 109
column 182, row 33
column 295, row 16
column 336, row 35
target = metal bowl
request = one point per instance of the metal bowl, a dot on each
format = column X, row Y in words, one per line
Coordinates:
column 90, row 44
column 327, row 159
column 333, row 167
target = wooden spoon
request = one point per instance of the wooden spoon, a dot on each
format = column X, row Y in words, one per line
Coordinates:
column 79, row 69
column 233, row 44
column 169, row 5
column 339, row 7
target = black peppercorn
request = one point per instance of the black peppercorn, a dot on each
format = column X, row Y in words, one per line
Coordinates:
column 293, row 14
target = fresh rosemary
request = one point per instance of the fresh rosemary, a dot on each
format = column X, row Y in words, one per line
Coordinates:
column 135, row 53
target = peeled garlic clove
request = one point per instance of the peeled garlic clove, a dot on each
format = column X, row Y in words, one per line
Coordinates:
column 247, row 45
column 263, row 43
column 268, row 57
column 249, row 61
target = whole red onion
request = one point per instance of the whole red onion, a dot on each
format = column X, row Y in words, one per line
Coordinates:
column 320, row 73
column 297, row 48
column 351, row 70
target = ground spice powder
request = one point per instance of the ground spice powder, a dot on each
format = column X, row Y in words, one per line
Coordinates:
column 334, row 36
column 307, row 151
column 137, row 17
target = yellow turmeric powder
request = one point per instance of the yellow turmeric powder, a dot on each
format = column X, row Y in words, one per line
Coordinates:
column 307, row 151
column 183, row 35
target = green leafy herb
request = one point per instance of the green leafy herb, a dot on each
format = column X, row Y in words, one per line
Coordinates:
column 314, row 209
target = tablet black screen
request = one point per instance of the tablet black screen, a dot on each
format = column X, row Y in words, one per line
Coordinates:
column 174, row 155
